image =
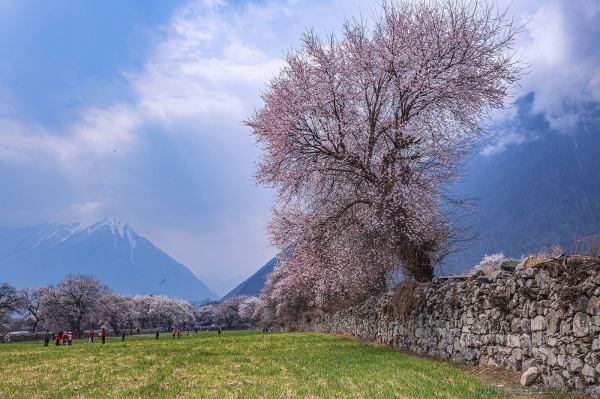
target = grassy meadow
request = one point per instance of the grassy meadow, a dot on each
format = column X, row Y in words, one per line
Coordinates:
column 236, row 364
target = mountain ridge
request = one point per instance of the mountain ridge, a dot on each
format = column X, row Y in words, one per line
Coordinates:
column 109, row 249
column 253, row 285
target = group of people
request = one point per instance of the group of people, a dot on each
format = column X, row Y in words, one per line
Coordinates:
column 67, row 337
column 177, row 331
column 266, row 328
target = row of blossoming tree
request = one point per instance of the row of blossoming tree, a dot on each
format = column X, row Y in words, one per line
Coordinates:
column 362, row 137
column 80, row 303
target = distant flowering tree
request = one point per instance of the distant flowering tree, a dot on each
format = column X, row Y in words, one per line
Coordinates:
column 10, row 301
column 227, row 312
column 172, row 312
column 205, row 315
column 363, row 135
column 117, row 310
column 33, row 305
column 247, row 309
column 73, row 301
column 489, row 263
column 143, row 304
column 266, row 306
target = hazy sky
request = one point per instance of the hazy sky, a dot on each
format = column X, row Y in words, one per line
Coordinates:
column 133, row 108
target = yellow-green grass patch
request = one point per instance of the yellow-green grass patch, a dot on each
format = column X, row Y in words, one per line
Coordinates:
column 236, row 364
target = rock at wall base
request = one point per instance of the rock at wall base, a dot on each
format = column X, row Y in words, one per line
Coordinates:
column 530, row 376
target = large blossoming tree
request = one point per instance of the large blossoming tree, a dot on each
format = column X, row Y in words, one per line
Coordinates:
column 73, row 301
column 363, row 135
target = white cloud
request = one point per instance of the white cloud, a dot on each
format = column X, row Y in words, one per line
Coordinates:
column 97, row 133
column 502, row 141
column 88, row 212
column 595, row 85
column 561, row 46
column 26, row 143
column 104, row 130
column 206, row 70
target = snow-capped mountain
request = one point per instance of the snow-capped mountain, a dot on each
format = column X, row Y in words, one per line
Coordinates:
column 109, row 249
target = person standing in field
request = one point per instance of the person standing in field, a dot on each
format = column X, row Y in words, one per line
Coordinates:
column 47, row 336
column 65, row 337
column 157, row 333
column 57, row 339
column 123, row 336
column 173, row 332
column 178, row 333
column 91, row 337
column 103, row 335
column 70, row 338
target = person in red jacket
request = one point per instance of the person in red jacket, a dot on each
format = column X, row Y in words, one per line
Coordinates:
column 57, row 338
column 103, row 335
column 91, row 337
column 65, row 338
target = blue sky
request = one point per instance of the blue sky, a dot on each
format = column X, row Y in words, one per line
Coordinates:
column 133, row 109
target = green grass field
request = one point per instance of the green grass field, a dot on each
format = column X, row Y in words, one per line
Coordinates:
column 237, row 364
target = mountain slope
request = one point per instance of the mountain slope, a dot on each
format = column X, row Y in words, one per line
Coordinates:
column 109, row 249
column 542, row 192
column 253, row 285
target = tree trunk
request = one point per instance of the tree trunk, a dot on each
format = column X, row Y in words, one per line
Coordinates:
column 417, row 261
column 115, row 327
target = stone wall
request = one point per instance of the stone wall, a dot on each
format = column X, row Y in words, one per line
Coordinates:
column 515, row 318
column 24, row 337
